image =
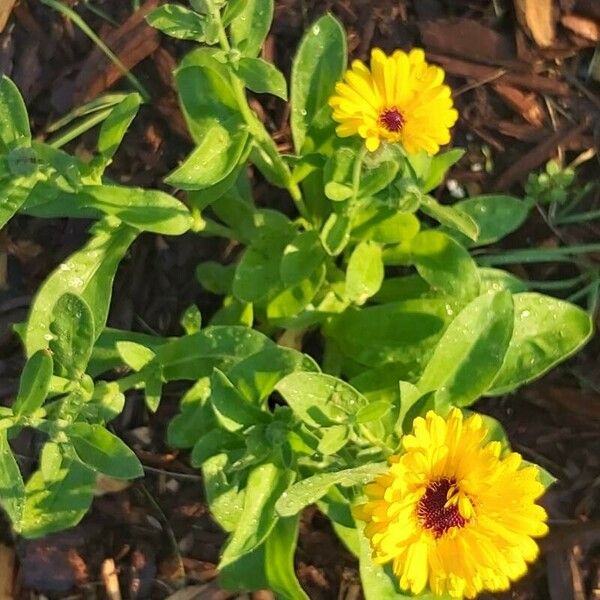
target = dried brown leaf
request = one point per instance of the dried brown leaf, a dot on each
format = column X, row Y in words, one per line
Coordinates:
column 538, row 18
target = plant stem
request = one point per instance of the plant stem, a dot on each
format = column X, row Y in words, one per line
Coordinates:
column 367, row 435
column 356, row 171
column 255, row 126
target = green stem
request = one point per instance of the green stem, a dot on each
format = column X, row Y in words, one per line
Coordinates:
column 356, row 171
column 578, row 217
column 132, row 381
column 255, row 126
column 73, row 132
column 564, row 254
column 367, row 435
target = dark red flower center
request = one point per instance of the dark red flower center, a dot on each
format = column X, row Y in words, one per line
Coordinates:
column 392, row 119
column 433, row 512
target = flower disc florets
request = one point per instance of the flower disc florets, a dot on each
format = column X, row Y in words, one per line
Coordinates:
column 452, row 512
column 399, row 99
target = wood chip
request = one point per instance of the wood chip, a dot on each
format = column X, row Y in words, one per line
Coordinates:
column 537, row 17
column 110, row 579
column 525, row 104
column 477, row 72
column 582, row 26
column 7, row 572
column 466, row 38
column 6, row 7
column 132, row 42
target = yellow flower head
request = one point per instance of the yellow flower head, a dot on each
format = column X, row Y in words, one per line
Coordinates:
column 401, row 99
column 451, row 512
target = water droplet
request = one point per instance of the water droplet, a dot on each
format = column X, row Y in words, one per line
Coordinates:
column 316, row 29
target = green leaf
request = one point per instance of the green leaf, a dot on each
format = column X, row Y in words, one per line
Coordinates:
column 450, row 217
column 470, row 353
column 72, row 328
column 404, row 332
column 545, row 477
column 59, row 503
column 496, row 280
column 377, row 178
column 546, row 332
column 301, row 257
column 35, row 381
column 319, row 64
column 365, row 273
column 206, row 96
column 115, row 126
column 439, row 165
column 104, row 452
column 233, row 410
column 262, row 77
column 373, row 411
column 495, row 215
column 291, row 300
column 224, row 491
column 335, row 233
column 320, row 399
column 193, row 356
column 445, row 265
column 14, row 193
column 266, row 483
column 256, row 376
column 88, row 273
column 313, row 488
column 148, row 210
column 191, row 320
column 14, row 122
column 215, row 277
column 383, row 224
column 334, row 438
column 337, row 174
column 249, row 29
column 215, row 157
column 214, row 443
column 134, row 355
column 178, row 22
column 280, row 547
column 12, row 489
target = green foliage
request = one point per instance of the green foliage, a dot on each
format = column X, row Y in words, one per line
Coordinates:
column 410, row 314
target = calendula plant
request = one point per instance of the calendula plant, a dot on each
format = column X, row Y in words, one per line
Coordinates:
column 415, row 326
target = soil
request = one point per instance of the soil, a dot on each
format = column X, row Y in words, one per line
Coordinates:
column 522, row 82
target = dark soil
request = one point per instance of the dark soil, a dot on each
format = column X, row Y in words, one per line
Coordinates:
column 520, row 105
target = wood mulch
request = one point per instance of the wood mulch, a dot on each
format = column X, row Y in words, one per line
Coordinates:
column 528, row 90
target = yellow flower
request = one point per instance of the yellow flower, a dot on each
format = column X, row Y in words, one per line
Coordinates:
column 401, row 99
column 452, row 512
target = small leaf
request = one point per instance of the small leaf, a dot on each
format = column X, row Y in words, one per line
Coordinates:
column 445, row 265
column 134, row 355
column 250, row 27
column 373, row 411
column 115, row 126
column 12, row 489
column 191, row 320
column 178, row 22
column 213, row 443
column 73, row 336
column 217, row 155
column 449, row 216
column 14, row 122
column 313, row 488
column 35, row 381
column 337, row 174
column 231, row 408
column 301, row 257
column 439, row 166
column 215, row 277
column 104, row 452
column 320, row 399
column 335, row 233
column 365, row 272
column 334, row 438
column 319, row 64
column 262, row 77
